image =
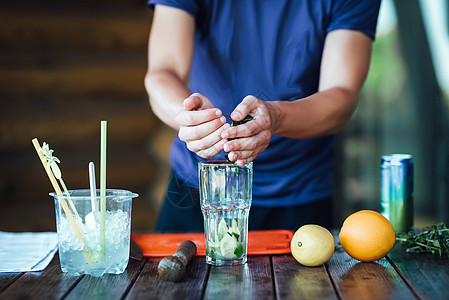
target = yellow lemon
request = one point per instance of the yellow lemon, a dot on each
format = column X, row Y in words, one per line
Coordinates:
column 312, row 245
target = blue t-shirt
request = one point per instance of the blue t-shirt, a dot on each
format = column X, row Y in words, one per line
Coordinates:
column 270, row 49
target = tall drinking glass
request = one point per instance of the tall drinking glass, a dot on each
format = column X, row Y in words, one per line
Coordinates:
column 85, row 245
column 225, row 196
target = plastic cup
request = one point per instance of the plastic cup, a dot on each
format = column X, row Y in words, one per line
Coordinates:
column 83, row 253
column 225, row 196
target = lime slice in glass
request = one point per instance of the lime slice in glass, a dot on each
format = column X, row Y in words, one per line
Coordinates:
column 228, row 245
column 212, row 244
column 222, row 229
column 234, row 227
column 212, row 229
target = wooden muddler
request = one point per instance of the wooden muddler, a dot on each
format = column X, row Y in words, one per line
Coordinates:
column 173, row 268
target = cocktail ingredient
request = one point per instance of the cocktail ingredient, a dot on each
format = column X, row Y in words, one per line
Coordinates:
column 367, row 236
column 225, row 196
column 173, row 268
column 117, row 237
column 435, row 240
column 236, row 123
column 225, row 242
column 312, row 245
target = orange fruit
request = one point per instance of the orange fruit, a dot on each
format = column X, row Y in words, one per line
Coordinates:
column 367, row 236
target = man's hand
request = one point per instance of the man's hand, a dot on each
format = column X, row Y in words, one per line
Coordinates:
column 253, row 137
column 201, row 126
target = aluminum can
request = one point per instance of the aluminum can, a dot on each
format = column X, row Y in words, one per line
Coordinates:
column 385, row 178
column 396, row 192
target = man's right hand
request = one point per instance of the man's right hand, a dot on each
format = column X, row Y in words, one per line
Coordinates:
column 201, row 125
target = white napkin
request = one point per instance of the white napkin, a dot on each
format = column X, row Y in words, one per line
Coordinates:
column 27, row 251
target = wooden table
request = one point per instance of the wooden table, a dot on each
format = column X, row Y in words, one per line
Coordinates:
column 401, row 275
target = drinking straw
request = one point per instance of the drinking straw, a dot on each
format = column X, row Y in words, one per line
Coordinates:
column 57, row 174
column 104, row 125
column 91, row 217
column 62, row 201
column 93, row 186
column 52, row 163
column 70, row 202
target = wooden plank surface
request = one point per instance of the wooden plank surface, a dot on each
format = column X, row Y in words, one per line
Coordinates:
column 6, row 279
column 260, row 278
column 295, row 281
column 74, row 25
column 82, row 78
column 150, row 286
column 50, row 283
column 250, row 281
column 427, row 273
column 108, row 286
column 127, row 169
column 66, row 65
column 358, row 280
column 130, row 122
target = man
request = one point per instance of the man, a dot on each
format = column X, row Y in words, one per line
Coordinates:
column 295, row 66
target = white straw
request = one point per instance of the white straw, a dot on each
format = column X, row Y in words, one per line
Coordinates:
column 93, row 186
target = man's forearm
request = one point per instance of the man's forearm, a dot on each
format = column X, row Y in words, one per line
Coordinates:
column 320, row 114
column 344, row 67
column 166, row 94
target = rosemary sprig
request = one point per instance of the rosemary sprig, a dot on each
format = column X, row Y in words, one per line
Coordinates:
column 236, row 123
column 435, row 240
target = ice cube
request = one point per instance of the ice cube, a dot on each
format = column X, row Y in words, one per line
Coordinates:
column 92, row 219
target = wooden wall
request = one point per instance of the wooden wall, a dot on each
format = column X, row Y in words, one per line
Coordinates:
column 64, row 67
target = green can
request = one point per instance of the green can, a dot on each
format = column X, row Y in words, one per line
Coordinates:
column 397, row 190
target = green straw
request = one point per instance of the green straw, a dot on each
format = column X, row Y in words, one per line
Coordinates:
column 104, row 125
